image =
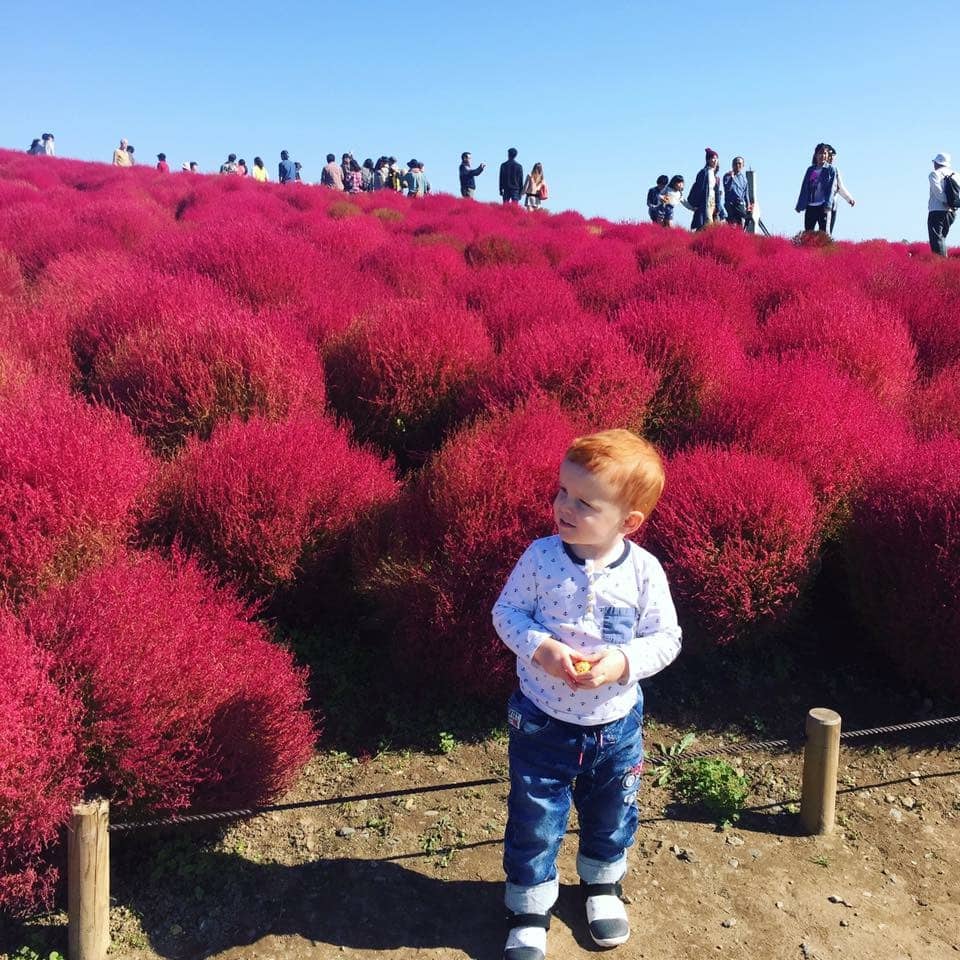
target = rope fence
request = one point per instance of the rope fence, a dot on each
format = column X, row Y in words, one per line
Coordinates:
column 88, row 846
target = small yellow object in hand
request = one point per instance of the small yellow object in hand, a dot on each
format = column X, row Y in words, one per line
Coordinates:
column 582, row 666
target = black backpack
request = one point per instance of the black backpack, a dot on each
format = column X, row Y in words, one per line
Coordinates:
column 951, row 190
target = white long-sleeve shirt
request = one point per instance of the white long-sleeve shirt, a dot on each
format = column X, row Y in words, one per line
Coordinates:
column 938, row 199
column 842, row 190
column 626, row 604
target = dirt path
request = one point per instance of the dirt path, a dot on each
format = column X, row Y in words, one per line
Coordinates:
column 419, row 875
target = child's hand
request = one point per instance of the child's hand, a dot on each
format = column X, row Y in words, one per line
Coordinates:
column 606, row 667
column 557, row 659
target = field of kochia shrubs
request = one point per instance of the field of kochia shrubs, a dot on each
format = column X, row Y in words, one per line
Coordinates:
column 215, row 394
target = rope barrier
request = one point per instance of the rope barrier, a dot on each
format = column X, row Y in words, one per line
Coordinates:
column 747, row 746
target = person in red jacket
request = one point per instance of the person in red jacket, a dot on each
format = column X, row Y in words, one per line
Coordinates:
column 162, row 165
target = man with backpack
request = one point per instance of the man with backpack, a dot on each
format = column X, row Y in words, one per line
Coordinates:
column 944, row 201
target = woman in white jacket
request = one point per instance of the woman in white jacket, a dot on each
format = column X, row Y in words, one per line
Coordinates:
column 841, row 189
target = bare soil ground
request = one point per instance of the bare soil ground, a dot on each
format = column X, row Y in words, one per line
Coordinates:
column 418, row 874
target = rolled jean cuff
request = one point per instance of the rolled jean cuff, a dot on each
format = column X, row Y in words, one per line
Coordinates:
column 597, row 871
column 536, row 899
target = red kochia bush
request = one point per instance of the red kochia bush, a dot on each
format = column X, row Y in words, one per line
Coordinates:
column 935, row 406
column 603, row 273
column 863, row 337
column 196, row 371
column 185, row 699
column 903, row 551
column 802, row 410
column 693, row 349
column 462, row 526
column 39, row 769
column 736, row 532
column 70, row 476
column 589, row 368
column 261, row 498
column 402, row 371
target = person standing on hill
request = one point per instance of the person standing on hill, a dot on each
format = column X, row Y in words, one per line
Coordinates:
column 706, row 195
column 736, row 197
column 229, row 165
column 331, row 175
column 121, row 158
column 817, row 190
column 259, row 170
column 534, row 188
column 162, row 165
column 36, row 148
column 49, row 147
column 511, row 178
column 130, row 154
column 468, row 177
column 287, row 171
column 653, row 197
column 841, row 189
column 943, row 203
column 413, row 180
column 366, row 175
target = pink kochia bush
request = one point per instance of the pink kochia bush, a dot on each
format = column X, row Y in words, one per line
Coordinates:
column 803, row 410
column 737, row 534
column 71, row 476
column 402, row 372
column 185, row 701
column 462, row 525
column 588, row 367
column 903, row 555
column 40, row 761
column 261, row 499
column 196, row 371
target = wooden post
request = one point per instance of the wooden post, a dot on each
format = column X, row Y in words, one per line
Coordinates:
column 821, row 755
column 88, row 881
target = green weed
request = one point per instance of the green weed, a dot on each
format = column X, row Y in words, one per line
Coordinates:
column 713, row 785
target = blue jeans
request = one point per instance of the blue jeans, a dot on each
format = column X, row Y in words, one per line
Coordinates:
column 552, row 762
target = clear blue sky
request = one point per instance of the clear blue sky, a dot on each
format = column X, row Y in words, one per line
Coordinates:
column 606, row 95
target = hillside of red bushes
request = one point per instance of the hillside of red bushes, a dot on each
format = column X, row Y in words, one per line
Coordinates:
column 215, row 394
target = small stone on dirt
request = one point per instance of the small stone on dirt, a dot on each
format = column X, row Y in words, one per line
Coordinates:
column 729, row 922
column 896, row 815
column 908, row 803
column 734, row 862
column 689, row 856
column 735, row 841
column 779, row 904
column 345, row 831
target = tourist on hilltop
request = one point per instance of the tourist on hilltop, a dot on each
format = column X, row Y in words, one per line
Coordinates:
column 229, row 166
column 380, row 173
column 706, row 195
column 162, row 164
column 670, row 199
column 353, row 177
column 194, row 166
column 121, row 158
column 259, row 171
column 943, row 203
column 36, row 148
column 366, row 175
column 49, row 147
column 345, row 168
column 130, row 154
column 242, row 168
column 841, row 189
column 534, row 188
column 817, row 191
column 468, row 177
column 653, row 196
column 297, row 171
column 736, row 197
column 588, row 615
column 413, row 180
column 331, row 175
column 511, row 178
column 394, row 175
column 287, row 172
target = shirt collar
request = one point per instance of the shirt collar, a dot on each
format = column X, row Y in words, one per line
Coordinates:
column 568, row 550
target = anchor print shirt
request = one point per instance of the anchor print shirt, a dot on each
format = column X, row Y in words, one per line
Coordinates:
column 627, row 604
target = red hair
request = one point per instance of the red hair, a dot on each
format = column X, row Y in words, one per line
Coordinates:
column 631, row 464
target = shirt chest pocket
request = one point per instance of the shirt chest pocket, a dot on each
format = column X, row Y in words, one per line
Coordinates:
column 619, row 624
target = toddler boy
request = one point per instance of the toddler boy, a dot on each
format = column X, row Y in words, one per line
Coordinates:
column 588, row 615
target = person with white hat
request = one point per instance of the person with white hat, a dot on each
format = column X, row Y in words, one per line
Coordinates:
column 942, row 208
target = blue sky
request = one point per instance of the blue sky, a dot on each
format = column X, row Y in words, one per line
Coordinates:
column 606, row 96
